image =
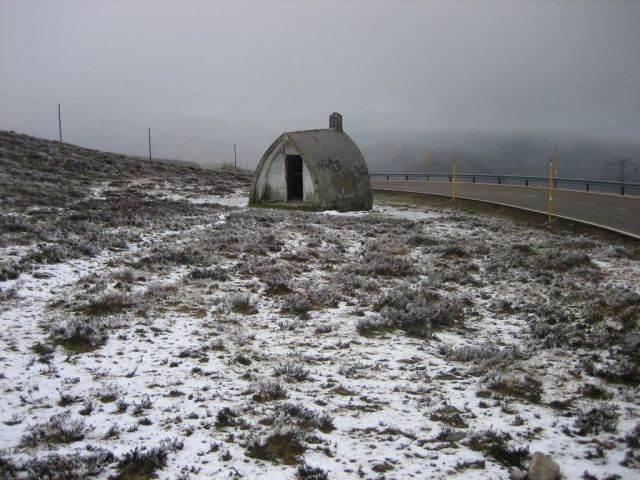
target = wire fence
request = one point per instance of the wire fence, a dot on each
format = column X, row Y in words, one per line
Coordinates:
column 56, row 121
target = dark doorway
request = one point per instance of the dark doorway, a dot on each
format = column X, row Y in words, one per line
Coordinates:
column 293, row 165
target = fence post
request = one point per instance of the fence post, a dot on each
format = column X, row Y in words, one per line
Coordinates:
column 453, row 198
column 550, row 206
column 59, row 123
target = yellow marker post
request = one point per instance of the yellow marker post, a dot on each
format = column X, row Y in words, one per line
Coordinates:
column 453, row 197
column 550, row 208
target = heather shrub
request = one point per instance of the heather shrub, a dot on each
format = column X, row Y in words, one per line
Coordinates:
column 307, row 472
column 297, row 304
column 372, row 324
column 282, row 444
column 241, row 303
column 9, row 270
column 604, row 418
column 305, row 418
column 67, row 467
column 565, row 261
column 416, row 313
column 60, row 428
column 382, row 264
column 80, row 334
column 215, row 273
column 266, row 389
column 110, row 303
column 497, row 445
column 226, row 417
column 292, row 371
column 485, row 353
column 514, row 385
column 141, row 462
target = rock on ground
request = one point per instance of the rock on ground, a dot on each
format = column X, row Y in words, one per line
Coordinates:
column 543, row 467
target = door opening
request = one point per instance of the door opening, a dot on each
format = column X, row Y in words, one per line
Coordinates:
column 293, row 165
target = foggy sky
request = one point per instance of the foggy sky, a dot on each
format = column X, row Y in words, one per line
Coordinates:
column 244, row 71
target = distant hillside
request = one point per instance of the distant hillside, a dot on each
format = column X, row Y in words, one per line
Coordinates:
column 515, row 154
column 34, row 171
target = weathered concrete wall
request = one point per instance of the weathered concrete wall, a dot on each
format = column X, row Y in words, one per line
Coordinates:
column 274, row 184
column 309, row 194
column 337, row 167
column 270, row 182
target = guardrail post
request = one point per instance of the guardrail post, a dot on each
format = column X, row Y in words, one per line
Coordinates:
column 526, row 182
column 499, row 181
column 407, row 177
column 473, row 179
column 587, row 185
column 622, row 190
column 449, row 178
column 387, row 177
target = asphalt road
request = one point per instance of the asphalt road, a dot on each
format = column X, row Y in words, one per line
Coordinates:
column 615, row 212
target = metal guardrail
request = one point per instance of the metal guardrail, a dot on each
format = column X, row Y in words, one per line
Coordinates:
column 621, row 186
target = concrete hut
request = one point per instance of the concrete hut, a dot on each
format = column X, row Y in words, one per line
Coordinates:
column 314, row 169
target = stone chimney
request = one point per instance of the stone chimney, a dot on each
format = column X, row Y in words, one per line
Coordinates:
column 335, row 121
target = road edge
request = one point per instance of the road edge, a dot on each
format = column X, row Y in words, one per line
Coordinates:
column 584, row 222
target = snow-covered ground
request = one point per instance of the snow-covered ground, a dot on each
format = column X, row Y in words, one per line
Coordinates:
column 405, row 342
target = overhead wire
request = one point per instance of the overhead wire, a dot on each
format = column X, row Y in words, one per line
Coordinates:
column 82, row 114
column 28, row 100
column 122, row 124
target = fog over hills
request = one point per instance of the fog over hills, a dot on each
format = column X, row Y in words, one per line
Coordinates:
column 504, row 153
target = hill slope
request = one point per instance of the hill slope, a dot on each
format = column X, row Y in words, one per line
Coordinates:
column 34, row 171
column 69, row 202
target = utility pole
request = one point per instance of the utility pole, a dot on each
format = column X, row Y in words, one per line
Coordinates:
column 622, row 163
column 59, row 123
column 235, row 159
column 149, row 144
